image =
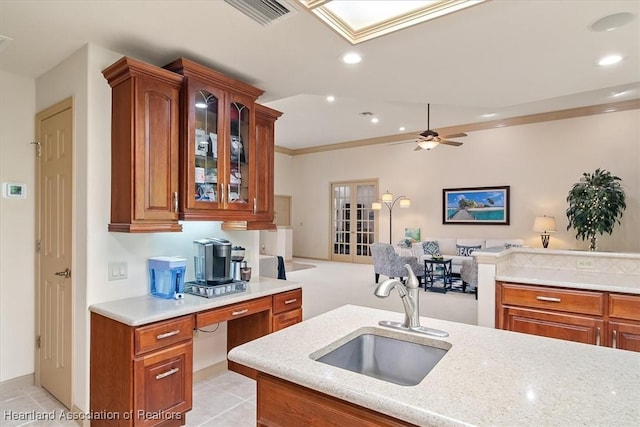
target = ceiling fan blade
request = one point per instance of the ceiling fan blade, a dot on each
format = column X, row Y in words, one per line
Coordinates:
column 447, row 142
column 455, row 135
column 403, row 142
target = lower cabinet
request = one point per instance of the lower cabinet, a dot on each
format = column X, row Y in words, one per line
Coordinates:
column 143, row 376
column 591, row 317
column 284, row 404
column 287, row 309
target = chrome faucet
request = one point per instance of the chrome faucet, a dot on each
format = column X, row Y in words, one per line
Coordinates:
column 410, row 297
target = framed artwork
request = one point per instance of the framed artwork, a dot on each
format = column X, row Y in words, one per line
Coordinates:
column 476, row 205
column 412, row 233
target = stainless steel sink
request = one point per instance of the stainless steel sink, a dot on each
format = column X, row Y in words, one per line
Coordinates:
column 403, row 360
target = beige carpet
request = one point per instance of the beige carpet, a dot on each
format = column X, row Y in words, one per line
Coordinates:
column 333, row 284
column 296, row 266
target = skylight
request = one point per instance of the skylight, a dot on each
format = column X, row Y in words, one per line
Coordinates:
column 362, row 20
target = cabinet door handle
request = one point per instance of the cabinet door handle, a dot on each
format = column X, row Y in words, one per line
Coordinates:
column 168, row 334
column 175, row 201
column 255, row 205
column 229, row 193
column 598, row 336
column 222, row 193
column 548, row 299
column 166, row 374
column 239, row 312
column 614, row 339
column 291, row 301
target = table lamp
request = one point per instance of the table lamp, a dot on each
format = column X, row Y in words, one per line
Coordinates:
column 544, row 225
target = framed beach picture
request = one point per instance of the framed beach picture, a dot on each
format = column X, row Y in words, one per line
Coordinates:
column 476, row 205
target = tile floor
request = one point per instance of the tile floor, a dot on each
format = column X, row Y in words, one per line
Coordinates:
column 223, row 400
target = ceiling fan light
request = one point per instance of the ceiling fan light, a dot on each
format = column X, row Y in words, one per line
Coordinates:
column 428, row 144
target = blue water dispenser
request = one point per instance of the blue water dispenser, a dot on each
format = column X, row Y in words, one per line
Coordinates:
column 166, row 277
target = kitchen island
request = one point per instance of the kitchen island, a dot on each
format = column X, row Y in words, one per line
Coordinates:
column 488, row 377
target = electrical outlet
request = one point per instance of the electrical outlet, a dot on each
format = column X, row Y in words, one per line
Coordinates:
column 585, row 263
column 118, row 270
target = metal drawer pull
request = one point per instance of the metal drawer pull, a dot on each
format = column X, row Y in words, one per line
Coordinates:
column 175, row 201
column 291, row 301
column 598, row 336
column 168, row 334
column 548, row 299
column 239, row 312
column 166, row 374
column 615, row 339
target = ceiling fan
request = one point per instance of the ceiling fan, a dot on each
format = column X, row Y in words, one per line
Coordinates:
column 430, row 139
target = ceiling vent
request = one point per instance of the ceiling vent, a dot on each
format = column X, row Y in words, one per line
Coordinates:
column 264, row 12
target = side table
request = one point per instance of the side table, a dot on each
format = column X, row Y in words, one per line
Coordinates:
column 430, row 269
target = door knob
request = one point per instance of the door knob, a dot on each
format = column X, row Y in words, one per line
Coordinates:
column 66, row 273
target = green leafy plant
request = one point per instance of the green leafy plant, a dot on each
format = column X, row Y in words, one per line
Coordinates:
column 596, row 204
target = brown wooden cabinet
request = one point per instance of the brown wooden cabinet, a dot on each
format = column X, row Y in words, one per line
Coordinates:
column 624, row 322
column 144, row 147
column 282, row 403
column 287, row 309
column 592, row 317
column 142, row 376
column 227, row 149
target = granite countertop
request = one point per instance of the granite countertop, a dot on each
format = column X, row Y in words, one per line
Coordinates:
column 488, row 377
column 625, row 283
column 145, row 309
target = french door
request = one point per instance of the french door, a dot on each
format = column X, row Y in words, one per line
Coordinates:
column 352, row 220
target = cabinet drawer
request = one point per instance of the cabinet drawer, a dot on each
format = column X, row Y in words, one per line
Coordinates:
column 286, row 319
column 163, row 385
column 571, row 301
column 162, row 334
column 233, row 311
column 624, row 306
column 286, row 301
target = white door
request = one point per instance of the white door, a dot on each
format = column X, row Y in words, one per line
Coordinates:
column 352, row 220
column 54, row 131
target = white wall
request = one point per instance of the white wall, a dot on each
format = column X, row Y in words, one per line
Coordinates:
column 539, row 161
column 80, row 76
column 17, row 247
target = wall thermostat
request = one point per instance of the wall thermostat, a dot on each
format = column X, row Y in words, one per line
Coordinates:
column 14, row 190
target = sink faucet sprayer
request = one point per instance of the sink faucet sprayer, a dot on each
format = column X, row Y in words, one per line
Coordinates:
column 410, row 297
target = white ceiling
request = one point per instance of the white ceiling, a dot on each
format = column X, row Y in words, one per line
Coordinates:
column 512, row 57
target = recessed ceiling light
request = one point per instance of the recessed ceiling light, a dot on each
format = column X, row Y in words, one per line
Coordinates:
column 374, row 120
column 401, row 128
column 610, row 110
column 610, row 60
column 351, row 58
column 488, row 115
column 331, row 98
column 611, row 22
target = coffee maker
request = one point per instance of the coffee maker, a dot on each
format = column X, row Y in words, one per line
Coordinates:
column 237, row 263
column 212, row 261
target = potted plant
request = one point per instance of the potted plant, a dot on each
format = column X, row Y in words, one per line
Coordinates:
column 596, row 204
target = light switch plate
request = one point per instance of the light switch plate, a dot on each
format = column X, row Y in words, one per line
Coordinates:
column 585, row 264
column 118, row 270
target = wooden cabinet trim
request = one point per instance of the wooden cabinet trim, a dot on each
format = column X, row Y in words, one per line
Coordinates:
column 286, row 319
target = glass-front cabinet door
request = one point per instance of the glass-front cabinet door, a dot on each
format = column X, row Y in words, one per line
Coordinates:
column 239, row 193
column 205, row 155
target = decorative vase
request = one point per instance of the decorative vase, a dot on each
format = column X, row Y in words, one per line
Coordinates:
column 593, row 243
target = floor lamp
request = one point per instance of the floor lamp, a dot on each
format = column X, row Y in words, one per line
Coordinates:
column 388, row 200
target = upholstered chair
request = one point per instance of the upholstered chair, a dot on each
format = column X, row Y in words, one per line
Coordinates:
column 388, row 263
column 469, row 274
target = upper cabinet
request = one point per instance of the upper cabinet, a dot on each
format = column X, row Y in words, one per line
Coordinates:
column 188, row 143
column 144, row 147
column 220, row 162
